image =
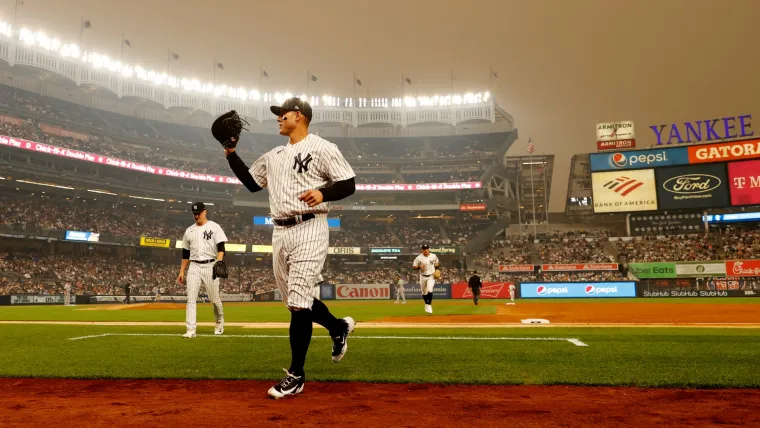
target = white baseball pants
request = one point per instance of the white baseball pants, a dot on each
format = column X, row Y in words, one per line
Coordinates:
column 197, row 275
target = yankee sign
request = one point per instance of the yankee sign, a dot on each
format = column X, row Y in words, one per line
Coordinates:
column 704, row 130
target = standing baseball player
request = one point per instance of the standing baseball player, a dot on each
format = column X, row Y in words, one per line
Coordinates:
column 427, row 264
column 203, row 251
column 67, row 294
column 475, row 285
column 511, row 294
column 302, row 177
column 400, row 289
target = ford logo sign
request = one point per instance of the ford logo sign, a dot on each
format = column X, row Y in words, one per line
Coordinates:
column 691, row 183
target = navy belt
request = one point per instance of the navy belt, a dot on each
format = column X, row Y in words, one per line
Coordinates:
column 202, row 262
column 427, row 275
column 292, row 221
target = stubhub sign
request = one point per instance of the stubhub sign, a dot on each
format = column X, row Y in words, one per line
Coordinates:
column 635, row 159
column 577, row 289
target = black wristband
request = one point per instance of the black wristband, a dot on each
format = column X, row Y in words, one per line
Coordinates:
column 241, row 172
column 338, row 190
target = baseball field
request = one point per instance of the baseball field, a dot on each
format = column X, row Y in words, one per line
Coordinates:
column 605, row 362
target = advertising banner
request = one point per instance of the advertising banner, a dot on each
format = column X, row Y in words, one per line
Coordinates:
column 234, row 248
column 579, row 267
column 443, row 250
column 700, row 270
column 423, row 186
column 653, row 224
column 490, row 290
column 345, row 250
column 261, row 249
column 743, row 268
column 385, row 250
column 616, row 145
column 624, row 191
column 516, row 268
column 73, row 235
column 692, row 187
column 362, row 292
column 154, row 242
column 577, row 289
column 653, row 270
column 412, row 291
column 635, row 159
column 611, row 131
column 725, row 284
column 326, row 292
column 25, row 299
column 683, row 293
column 472, row 207
column 744, row 181
column 721, row 152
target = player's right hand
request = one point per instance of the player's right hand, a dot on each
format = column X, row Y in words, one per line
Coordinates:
column 181, row 278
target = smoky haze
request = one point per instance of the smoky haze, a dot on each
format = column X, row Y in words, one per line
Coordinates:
column 563, row 65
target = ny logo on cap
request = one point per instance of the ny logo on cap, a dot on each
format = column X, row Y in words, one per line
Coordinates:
column 302, row 164
column 207, row 234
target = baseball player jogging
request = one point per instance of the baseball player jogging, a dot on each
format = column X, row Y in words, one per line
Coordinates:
column 203, row 252
column 475, row 285
column 427, row 264
column 400, row 289
column 302, row 177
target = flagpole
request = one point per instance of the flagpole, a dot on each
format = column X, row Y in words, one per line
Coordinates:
column 452, row 82
column 533, row 194
column 519, row 200
column 490, row 78
column 546, row 203
column 403, row 86
column 122, row 48
column 261, row 72
column 81, row 32
column 214, row 65
column 354, row 84
column 168, row 57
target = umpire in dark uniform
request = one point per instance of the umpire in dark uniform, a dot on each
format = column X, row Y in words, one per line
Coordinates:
column 475, row 284
column 127, row 290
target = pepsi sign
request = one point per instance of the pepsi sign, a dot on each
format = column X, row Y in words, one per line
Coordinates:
column 548, row 290
column 635, row 159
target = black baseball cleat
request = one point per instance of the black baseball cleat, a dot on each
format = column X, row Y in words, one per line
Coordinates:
column 340, row 341
column 291, row 385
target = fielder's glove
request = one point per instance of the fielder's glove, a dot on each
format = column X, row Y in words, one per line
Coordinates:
column 437, row 274
column 220, row 270
column 227, row 128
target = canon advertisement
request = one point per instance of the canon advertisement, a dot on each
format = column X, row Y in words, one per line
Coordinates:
column 744, row 181
column 635, row 159
column 692, row 187
column 624, row 191
column 538, row 290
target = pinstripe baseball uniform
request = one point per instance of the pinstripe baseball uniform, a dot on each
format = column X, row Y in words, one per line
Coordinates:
column 427, row 269
column 299, row 251
column 400, row 290
column 202, row 242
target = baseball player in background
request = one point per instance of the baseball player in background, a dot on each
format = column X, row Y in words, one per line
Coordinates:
column 67, row 294
column 427, row 264
column 202, row 246
column 400, row 289
column 158, row 294
column 302, row 177
column 511, row 294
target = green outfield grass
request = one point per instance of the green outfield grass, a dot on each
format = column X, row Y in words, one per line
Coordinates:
column 670, row 357
column 275, row 311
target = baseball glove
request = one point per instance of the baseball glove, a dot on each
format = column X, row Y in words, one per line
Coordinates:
column 437, row 274
column 227, row 128
column 220, row 270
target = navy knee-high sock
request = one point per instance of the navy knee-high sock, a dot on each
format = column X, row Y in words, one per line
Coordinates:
column 322, row 316
column 300, row 338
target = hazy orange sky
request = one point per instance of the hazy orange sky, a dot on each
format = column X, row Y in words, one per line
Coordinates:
column 564, row 65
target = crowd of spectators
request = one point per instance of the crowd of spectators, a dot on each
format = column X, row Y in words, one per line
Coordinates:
column 675, row 248
column 563, row 248
column 741, row 242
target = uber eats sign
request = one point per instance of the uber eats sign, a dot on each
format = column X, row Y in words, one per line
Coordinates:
column 653, row 270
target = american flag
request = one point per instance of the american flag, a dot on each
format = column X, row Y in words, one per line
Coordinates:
column 531, row 147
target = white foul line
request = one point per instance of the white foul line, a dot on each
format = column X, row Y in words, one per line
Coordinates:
column 575, row 342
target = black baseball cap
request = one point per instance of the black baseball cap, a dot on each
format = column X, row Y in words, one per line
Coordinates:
column 425, row 247
column 293, row 104
column 199, row 207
